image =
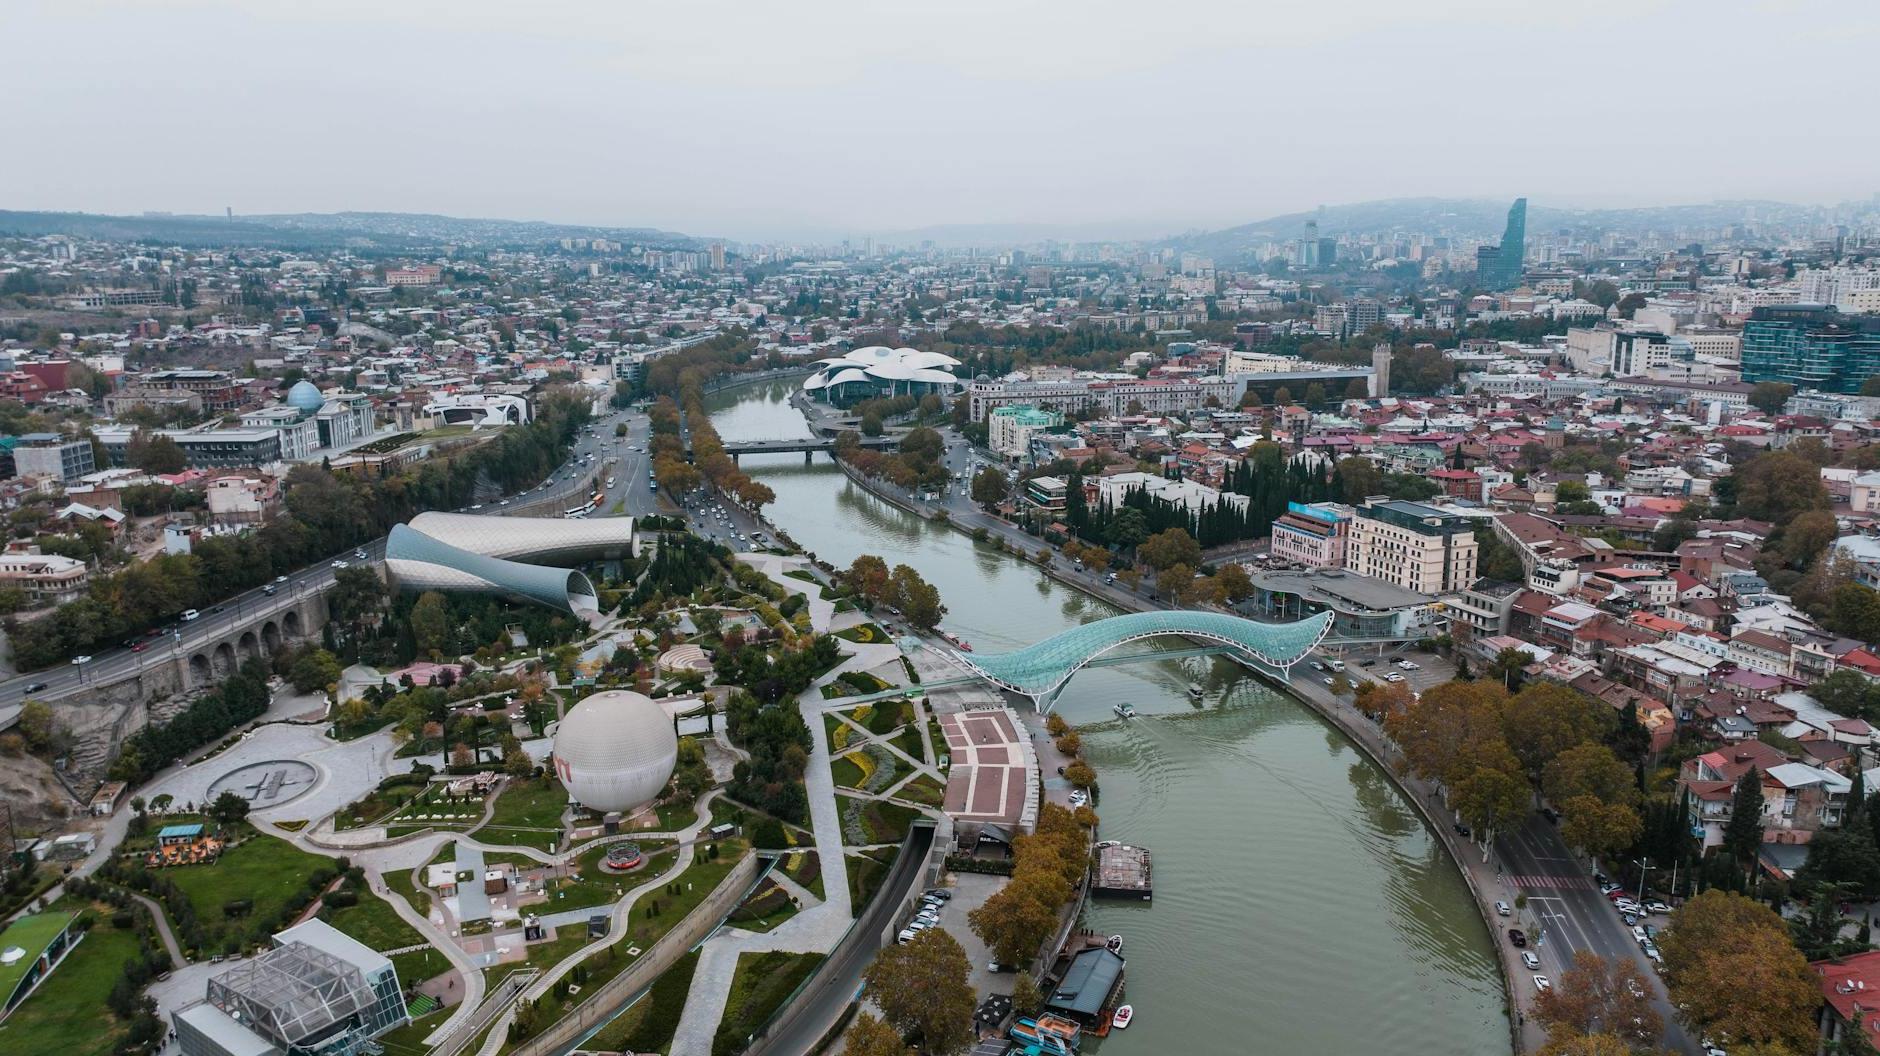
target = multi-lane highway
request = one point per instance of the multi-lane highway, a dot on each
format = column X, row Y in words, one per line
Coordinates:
column 565, row 488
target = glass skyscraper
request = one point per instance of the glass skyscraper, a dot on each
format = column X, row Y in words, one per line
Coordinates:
column 1811, row 346
column 1499, row 267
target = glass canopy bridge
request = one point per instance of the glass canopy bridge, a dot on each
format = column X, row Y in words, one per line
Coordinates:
column 1040, row 670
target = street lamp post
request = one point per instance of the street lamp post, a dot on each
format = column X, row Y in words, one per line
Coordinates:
column 1644, row 867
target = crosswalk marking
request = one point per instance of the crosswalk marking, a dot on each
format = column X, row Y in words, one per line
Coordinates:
column 1532, row 880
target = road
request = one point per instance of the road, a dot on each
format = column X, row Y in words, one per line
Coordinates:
column 1572, row 915
column 839, row 980
column 563, row 489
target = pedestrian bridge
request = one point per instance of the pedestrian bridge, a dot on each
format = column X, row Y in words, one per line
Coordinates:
column 1038, row 671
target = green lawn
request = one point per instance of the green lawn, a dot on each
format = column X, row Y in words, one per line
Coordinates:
column 923, row 790
column 408, row 1040
column 866, row 873
column 399, row 880
column 374, row 922
column 524, row 806
column 864, row 634
column 840, row 734
column 764, row 981
column 764, row 908
column 418, row 965
column 885, row 715
column 595, row 886
column 649, row 1023
column 887, row 822
column 271, row 872
column 67, row 1015
column 846, row 772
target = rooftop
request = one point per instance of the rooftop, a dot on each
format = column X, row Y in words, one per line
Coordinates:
column 1341, row 590
column 31, row 935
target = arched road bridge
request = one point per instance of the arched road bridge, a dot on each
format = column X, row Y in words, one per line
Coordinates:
column 1039, row 670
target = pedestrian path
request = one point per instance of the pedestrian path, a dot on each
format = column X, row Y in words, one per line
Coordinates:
column 1536, row 882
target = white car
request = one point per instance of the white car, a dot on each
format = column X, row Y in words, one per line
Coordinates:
column 190, row 614
column 81, row 660
column 1532, row 962
column 1408, row 665
column 1393, row 677
column 340, row 564
column 1543, row 984
column 1639, row 936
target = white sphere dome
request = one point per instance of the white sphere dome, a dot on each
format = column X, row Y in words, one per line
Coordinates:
column 615, row 750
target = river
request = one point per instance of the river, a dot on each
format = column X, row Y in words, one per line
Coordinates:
column 1301, row 905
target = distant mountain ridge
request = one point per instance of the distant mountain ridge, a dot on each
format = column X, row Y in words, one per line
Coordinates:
column 396, row 232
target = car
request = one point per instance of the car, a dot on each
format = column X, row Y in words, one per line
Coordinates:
column 1543, row 984
column 1503, row 909
column 1600, row 879
column 1639, row 936
column 941, row 893
column 1651, row 950
column 1517, row 937
column 1462, row 830
column 1655, row 906
column 79, row 660
column 1532, row 962
column 1393, row 677
column 1329, row 680
column 1408, row 665
column 995, row 966
column 1552, row 815
column 1615, row 893
column 270, row 590
column 190, row 614
column 218, row 608
column 1628, row 905
column 927, row 919
column 907, row 935
column 280, row 579
column 360, row 554
column 35, row 687
column 478, row 506
column 138, row 647
column 341, row 564
column 1367, row 663
column 1629, row 919
column 1319, row 665
column 154, row 632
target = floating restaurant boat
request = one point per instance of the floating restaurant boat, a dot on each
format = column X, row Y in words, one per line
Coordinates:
column 1051, row 1034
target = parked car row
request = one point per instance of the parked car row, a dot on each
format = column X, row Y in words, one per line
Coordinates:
column 928, row 915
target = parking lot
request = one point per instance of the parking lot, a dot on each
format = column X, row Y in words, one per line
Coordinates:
column 970, row 891
column 1431, row 669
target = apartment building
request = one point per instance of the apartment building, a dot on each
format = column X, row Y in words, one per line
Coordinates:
column 1009, row 429
column 53, row 455
column 1313, row 535
column 1413, row 546
column 46, row 579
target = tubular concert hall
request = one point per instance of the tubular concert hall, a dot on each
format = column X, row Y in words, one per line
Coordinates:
column 877, row 371
column 513, row 557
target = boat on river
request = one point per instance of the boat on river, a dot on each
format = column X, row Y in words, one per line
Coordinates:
column 1124, row 711
column 1120, row 1020
column 1195, row 691
column 956, row 641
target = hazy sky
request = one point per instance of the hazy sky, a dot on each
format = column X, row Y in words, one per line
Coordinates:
column 815, row 117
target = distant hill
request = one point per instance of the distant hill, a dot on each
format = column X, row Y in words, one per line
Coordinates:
column 389, row 232
column 1476, row 218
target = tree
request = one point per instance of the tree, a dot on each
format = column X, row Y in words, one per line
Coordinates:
column 1598, row 828
column 1597, row 995
column 1234, row 581
column 1170, row 547
column 1018, row 918
column 37, row 725
column 1567, row 1043
column 314, row 670
column 1315, row 395
column 1589, row 770
column 228, row 808
column 917, row 599
column 1721, row 946
column 871, row 424
column 1129, row 527
column 868, row 576
column 1777, row 485
column 1770, row 397
column 159, row 455
column 1742, row 835
column 990, row 487
column 1841, row 857
column 1545, row 719
column 1491, row 800
column 1804, row 539
column 1026, row 1000
column 869, row 1035
column 921, row 987
column 430, row 623
column 1630, row 304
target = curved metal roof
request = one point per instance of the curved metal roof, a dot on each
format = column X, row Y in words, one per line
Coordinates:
column 535, row 540
column 419, row 562
column 1039, row 669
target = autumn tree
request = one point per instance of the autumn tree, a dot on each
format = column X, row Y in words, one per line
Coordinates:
column 1598, row 995
column 990, row 487
column 1018, row 918
column 1770, row 397
column 1545, row 719
column 870, row 1035
column 1168, row 548
column 1567, row 1043
column 1721, row 947
column 1776, row 486
column 868, row 576
column 921, row 987
column 1598, row 828
column 1589, row 769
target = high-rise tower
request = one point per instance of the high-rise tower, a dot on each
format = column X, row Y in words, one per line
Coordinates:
column 1499, row 267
